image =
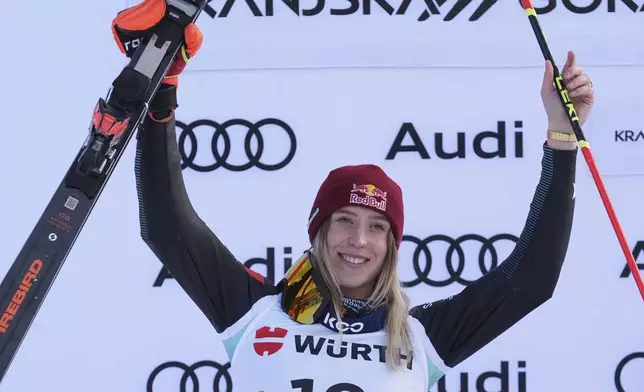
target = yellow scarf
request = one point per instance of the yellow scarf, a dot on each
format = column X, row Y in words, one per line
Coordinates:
column 304, row 295
column 305, row 298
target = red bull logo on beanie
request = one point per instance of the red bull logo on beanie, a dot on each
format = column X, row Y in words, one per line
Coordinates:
column 373, row 196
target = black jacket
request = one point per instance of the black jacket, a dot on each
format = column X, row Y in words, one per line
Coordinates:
column 458, row 326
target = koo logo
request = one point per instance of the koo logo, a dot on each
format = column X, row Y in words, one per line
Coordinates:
column 486, row 144
column 269, row 262
column 342, row 325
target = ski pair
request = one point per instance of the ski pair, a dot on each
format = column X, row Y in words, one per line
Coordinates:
column 113, row 123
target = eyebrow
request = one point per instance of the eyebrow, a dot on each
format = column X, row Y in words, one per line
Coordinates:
column 376, row 217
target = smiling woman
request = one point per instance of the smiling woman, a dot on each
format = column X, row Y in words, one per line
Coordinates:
column 356, row 230
column 339, row 320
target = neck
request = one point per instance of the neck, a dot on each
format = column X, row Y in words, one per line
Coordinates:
column 363, row 292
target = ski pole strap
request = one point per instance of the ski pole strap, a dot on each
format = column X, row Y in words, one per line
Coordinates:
column 164, row 104
column 167, row 117
column 165, row 99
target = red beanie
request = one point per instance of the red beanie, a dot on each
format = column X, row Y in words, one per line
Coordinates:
column 359, row 185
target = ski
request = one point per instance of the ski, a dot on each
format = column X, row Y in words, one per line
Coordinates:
column 113, row 122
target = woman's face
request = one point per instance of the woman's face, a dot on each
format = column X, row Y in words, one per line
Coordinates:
column 357, row 243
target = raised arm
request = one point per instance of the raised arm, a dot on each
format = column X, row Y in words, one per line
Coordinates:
column 220, row 286
column 461, row 325
column 209, row 273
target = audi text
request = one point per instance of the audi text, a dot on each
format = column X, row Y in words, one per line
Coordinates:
column 478, row 145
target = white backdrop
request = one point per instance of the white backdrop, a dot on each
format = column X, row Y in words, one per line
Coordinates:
column 346, row 84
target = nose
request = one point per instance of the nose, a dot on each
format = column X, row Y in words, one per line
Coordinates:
column 358, row 237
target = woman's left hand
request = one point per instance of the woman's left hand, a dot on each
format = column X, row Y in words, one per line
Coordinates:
column 580, row 91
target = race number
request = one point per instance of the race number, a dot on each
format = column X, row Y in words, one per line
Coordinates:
column 306, row 385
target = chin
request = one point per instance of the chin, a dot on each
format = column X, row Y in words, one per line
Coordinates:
column 352, row 284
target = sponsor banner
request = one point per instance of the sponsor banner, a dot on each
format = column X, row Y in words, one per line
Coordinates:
column 616, row 129
column 275, row 152
column 261, row 34
column 471, row 206
column 256, row 145
column 507, row 374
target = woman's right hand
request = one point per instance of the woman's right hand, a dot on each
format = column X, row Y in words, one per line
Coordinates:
column 133, row 25
column 580, row 93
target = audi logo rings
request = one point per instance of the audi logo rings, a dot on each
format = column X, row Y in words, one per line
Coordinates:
column 221, row 158
column 454, row 249
column 189, row 373
column 619, row 383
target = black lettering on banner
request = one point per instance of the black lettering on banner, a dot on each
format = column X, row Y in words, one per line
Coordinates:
column 254, row 131
column 319, row 7
column 189, row 373
column 502, row 380
column 291, row 4
column 306, row 385
column 637, row 250
column 619, row 383
column 331, row 346
column 480, row 143
column 552, row 4
column 382, row 3
column 454, row 253
column 619, row 136
column 585, row 8
column 595, row 4
column 631, row 4
column 460, row 5
column 629, row 136
column 269, row 262
column 432, row 7
column 356, row 351
column 310, row 344
column 161, row 277
column 362, row 350
column 581, row 10
column 251, row 5
column 351, row 9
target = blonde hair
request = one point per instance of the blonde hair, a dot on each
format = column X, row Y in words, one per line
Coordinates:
column 387, row 291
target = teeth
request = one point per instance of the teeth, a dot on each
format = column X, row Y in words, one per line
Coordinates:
column 353, row 260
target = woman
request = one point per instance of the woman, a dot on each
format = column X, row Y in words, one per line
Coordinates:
column 339, row 320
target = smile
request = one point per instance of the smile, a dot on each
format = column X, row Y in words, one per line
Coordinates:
column 355, row 260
